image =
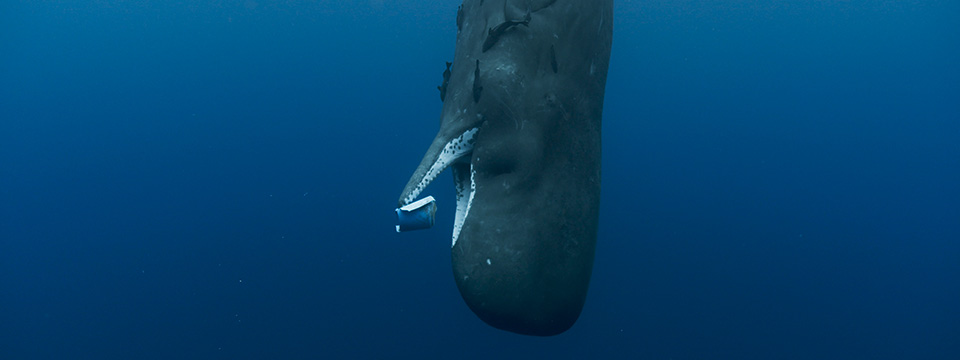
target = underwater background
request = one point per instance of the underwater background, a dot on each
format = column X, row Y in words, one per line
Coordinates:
column 217, row 180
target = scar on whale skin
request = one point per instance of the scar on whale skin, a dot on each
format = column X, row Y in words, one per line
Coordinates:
column 476, row 83
column 553, row 59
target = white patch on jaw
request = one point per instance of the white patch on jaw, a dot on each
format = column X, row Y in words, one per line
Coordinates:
column 464, row 201
column 452, row 151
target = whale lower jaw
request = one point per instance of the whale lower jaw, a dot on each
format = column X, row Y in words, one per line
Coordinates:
column 453, row 150
column 456, row 155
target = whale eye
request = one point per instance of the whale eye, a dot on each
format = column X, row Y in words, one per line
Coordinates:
column 504, row 158
column 498, row 165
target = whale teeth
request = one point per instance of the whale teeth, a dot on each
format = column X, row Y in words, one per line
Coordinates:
column 452, row 151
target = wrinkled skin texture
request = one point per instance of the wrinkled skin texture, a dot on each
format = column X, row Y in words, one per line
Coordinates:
column 525, row 252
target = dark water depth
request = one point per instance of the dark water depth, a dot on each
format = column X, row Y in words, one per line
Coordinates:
column 207, row 180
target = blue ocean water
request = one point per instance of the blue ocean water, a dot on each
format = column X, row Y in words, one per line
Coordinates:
column 204, row 180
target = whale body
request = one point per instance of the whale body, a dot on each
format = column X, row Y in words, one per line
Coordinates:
column 520, row 130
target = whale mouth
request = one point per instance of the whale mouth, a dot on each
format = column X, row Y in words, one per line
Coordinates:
column 456, row 155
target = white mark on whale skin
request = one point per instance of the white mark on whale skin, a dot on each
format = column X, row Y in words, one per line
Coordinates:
column 488, row 261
